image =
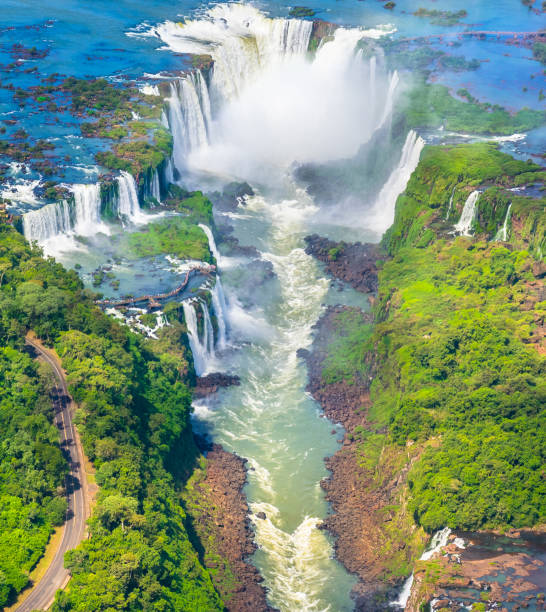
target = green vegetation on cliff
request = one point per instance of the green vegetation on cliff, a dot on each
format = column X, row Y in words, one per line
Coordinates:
column 133, row 400
column 175, row 236
column 458, row 353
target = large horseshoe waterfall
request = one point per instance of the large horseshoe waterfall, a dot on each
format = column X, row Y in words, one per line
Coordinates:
column 265, row 104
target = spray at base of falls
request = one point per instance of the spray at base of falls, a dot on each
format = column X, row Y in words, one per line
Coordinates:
column 502, row 234
column 215, row 123
column 437, row 542
column 464, row 225
column 382, row 214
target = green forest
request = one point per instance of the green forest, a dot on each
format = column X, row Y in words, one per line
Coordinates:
column 459, row 377
column 134, row 402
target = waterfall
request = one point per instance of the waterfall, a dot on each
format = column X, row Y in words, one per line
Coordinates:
column 212, row 242
column 502, row 234
column 198, row 350
column 393, row 84
column 450, row 205
column 189, row 114
column 220, row 310
column 81, row 217
column 208, row 331
column 215, row 120
column 437, row 542
column 217, row 293
column 464, row 225
column 154, row 187
column 47, row 222
column 202, row 348
column 404, row 594
column 128, row 207
column 87, row 205
column 169, row 172
column 382, row 214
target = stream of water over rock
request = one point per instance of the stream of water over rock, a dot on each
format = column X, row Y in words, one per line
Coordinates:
column 266, row 105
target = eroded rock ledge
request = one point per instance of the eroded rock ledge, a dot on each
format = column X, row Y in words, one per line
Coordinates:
column 354, row 263
column 218, row 516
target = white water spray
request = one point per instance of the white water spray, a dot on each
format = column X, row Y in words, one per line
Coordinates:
column 268, row 104
column 464, row 226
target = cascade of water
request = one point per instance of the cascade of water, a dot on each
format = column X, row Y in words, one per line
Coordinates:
column 128, row 207
column 217, row 293
column 212, row 242
column 382, row 214
column 169, row 172
column 450, row 205
column 220, row 310
column 438, row 541
column 208, row 332
column 464, row 225
column 198, row 349
column 47, row 222
column 373, row 68
column 393, row 84
column 187, row 116
column 502, row 234
column 154, row 190
column 86, row 209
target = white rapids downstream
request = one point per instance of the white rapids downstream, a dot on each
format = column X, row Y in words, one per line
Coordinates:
column 266, row 104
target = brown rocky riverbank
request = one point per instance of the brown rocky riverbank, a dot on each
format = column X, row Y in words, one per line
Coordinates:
column 355, row 263
column 366, row 540
column 218, row 517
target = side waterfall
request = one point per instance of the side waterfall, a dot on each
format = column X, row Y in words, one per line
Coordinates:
column 438, row 541
column 217, row 293
column 154, row 189
column 202, row 348
column 502, row 234
column 189, row 115
column 450, row 205
column 464, row 225
column 220, row 310
column 128, row 207
column 382, row 214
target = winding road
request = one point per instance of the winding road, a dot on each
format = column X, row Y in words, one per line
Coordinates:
column 56, row 576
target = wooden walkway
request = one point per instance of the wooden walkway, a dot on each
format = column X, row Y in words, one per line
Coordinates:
column 153, row 300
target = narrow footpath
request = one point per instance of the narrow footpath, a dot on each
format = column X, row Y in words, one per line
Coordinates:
column 56, row 576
